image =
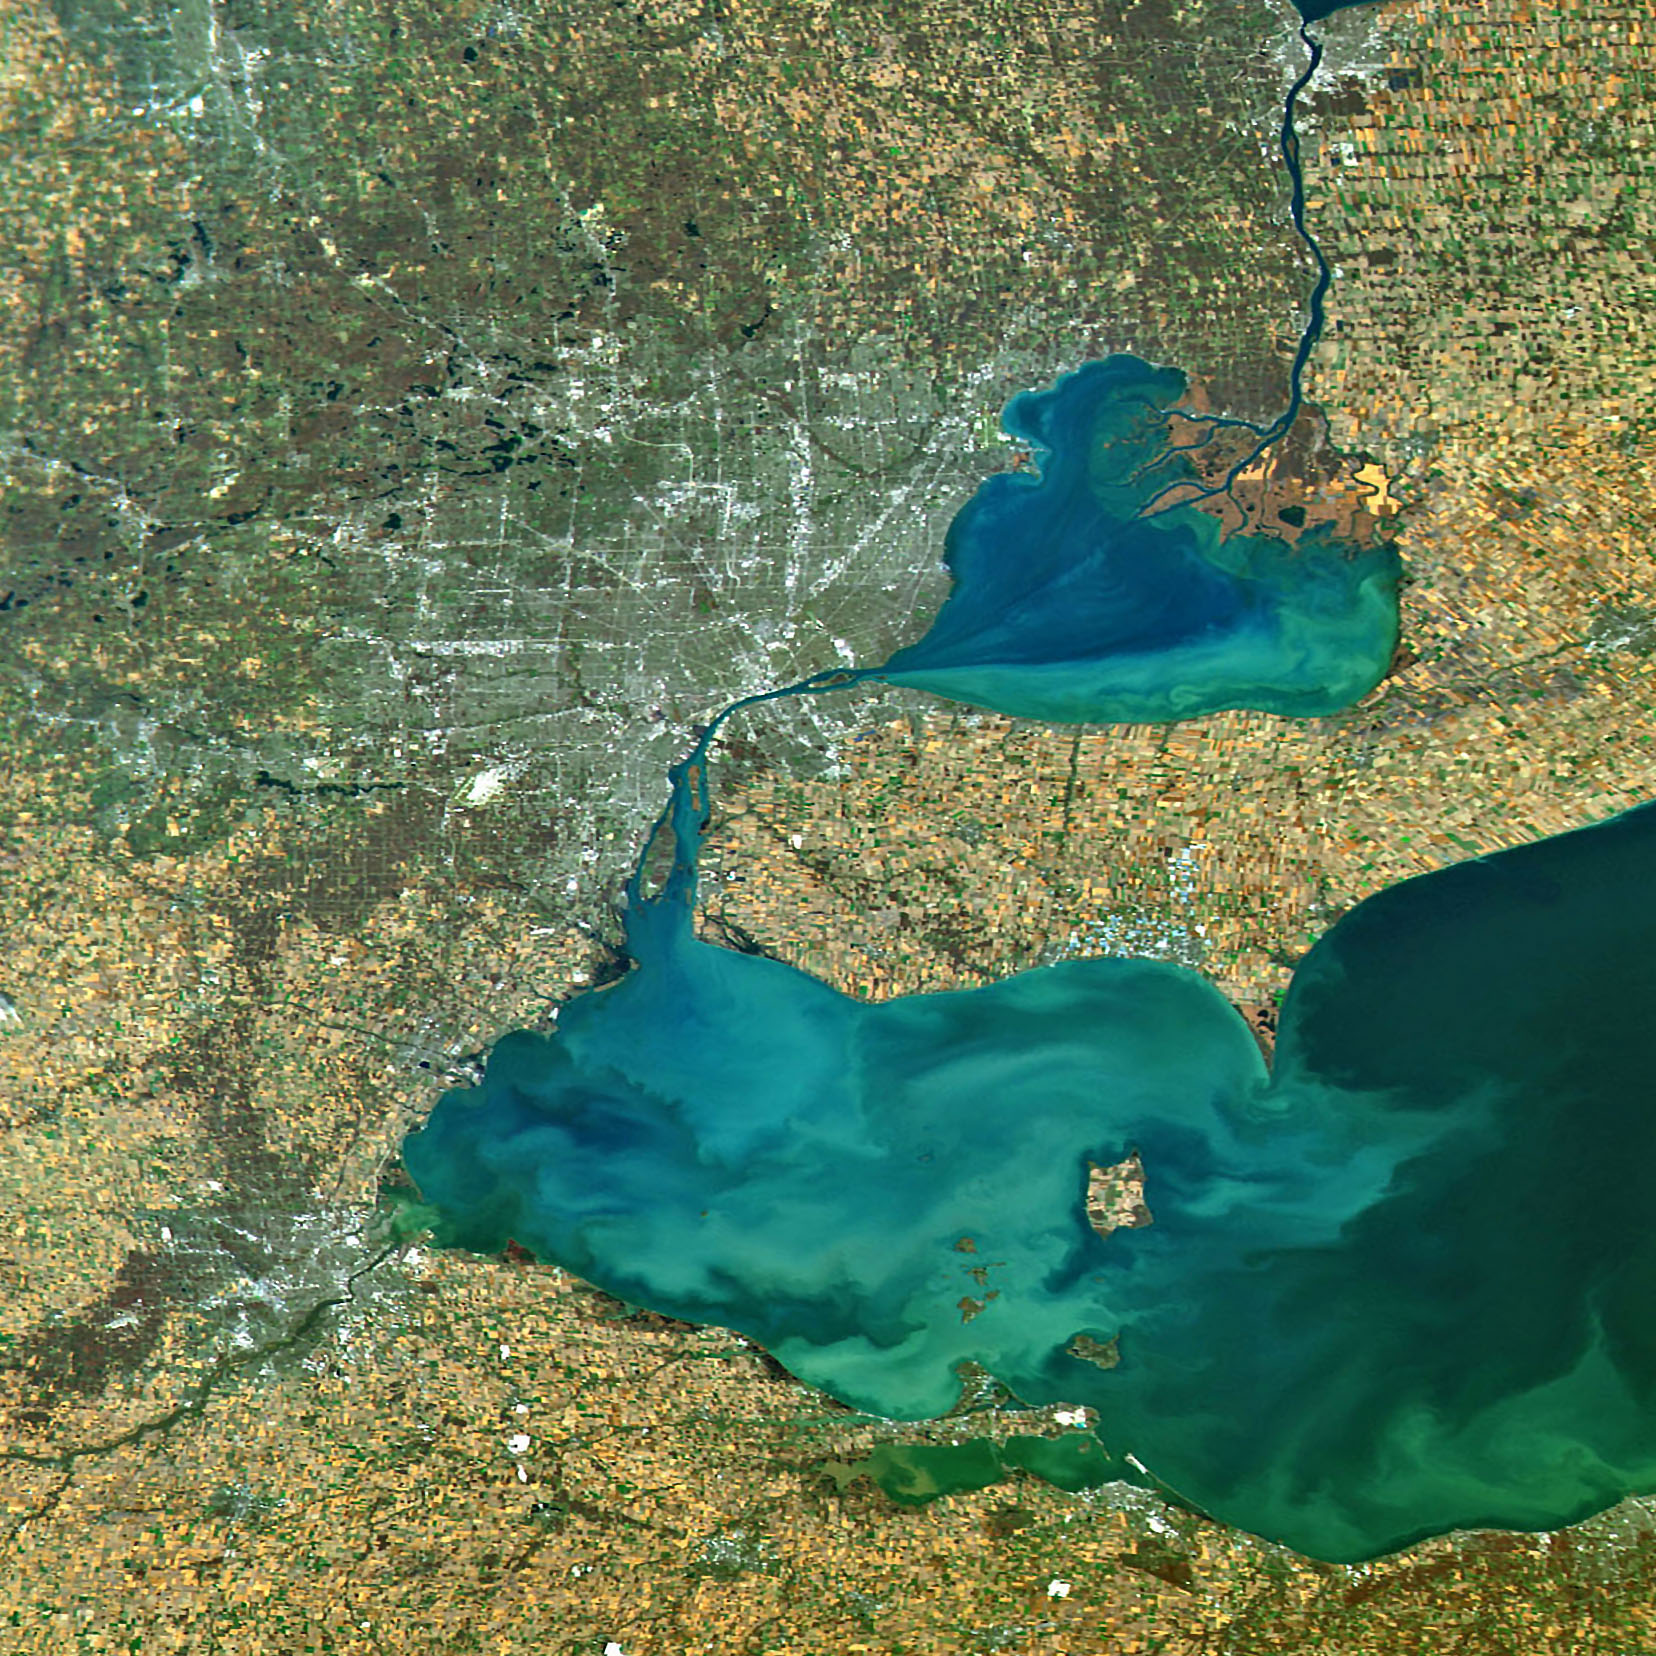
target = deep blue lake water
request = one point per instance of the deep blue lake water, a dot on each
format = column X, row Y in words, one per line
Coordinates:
column 1401, row 1285
column 1313, row 11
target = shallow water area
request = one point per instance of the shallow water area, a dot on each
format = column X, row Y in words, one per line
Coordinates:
column 1099, row 592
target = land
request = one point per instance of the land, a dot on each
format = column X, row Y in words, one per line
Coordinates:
column 1115, row 1196
column 395, row 471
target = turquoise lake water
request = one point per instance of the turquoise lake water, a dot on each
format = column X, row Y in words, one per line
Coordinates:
column 1401, row 1284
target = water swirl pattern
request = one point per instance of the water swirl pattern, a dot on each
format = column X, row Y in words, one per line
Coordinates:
column 1400, row 1285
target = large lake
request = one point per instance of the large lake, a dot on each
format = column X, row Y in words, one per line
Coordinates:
column 1399, row 1285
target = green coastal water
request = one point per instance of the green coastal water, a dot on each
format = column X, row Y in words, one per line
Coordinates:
column 916, row 1473
column 1398, row 1286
